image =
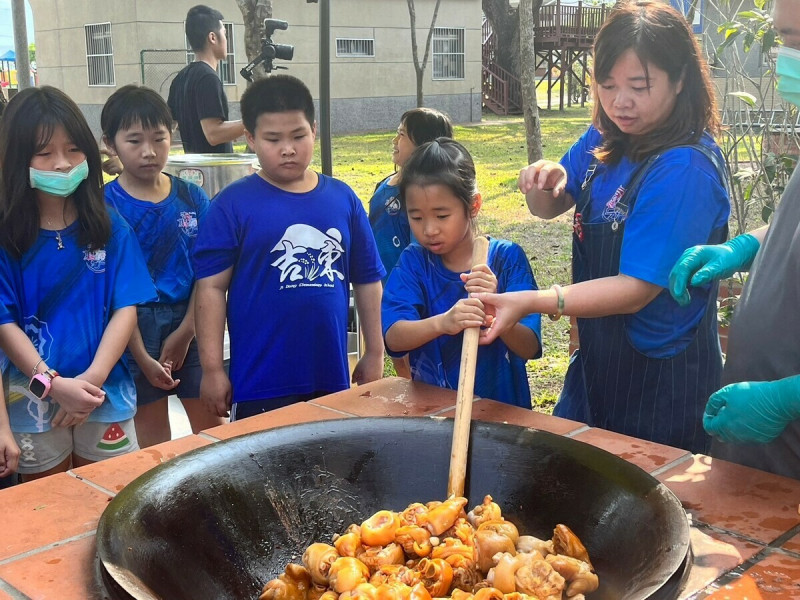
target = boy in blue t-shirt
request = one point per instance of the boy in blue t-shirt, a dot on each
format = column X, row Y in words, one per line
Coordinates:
column 165, row 213
column 277, row 254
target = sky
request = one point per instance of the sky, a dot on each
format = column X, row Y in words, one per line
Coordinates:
column 7, row 26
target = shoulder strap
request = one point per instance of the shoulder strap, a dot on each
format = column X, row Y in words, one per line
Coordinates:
column 377, row 185
column 720, row 166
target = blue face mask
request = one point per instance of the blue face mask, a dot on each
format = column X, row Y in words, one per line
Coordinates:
column 59, row 184
column 787, row 68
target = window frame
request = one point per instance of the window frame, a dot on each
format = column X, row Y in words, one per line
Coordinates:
column 99, row 63
column 369, row 43
column 445, row 35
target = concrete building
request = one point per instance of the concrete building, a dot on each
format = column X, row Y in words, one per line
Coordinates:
column 89, row 48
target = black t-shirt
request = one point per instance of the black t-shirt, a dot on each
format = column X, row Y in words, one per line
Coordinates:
column 196, row 93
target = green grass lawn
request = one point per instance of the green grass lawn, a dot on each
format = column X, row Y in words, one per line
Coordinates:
column 498, row 147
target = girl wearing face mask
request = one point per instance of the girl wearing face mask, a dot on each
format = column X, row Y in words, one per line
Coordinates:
column 645, row 182
column 755, row 417
column 71, row 274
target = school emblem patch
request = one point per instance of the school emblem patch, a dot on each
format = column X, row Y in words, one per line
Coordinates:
column 610, row 211
column 392, row 206
column 187, row 223
column 113, row 439
column 95, row 260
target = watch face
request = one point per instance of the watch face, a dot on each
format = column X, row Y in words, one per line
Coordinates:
column 37, row 388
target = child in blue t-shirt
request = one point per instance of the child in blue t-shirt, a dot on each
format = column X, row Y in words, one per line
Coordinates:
column 277, row 252
column 388, row 220
column 165, row 213
column 71, row 274
column 427, row 304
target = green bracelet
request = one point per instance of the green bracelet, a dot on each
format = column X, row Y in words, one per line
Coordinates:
column 560, row 307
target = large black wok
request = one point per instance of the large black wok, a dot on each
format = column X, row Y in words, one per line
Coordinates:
column 222, row 520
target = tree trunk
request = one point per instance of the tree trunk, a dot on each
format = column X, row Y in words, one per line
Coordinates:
column 253, row 14
column 533, row 131
column 505, row 24
column 419, row 68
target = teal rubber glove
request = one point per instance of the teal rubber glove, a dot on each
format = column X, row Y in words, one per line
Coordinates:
column 700, row 264
column 753, row 412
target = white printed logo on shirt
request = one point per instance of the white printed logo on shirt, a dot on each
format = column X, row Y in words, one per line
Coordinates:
column 187, row 222
column 610, row 211
column 307, row 254
column 392, row 206
column 95, row 260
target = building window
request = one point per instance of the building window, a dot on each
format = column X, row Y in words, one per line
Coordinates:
column 351, row 47
column 226, row 69
column 99, row 54
column 448, row 53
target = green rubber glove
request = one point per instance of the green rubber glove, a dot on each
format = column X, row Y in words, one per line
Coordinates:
column 700, row 264
column 753, row 412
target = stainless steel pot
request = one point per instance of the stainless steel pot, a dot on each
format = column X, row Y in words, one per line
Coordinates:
column 212, row 172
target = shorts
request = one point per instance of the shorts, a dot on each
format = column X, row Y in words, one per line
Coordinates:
column 156, row 322
column 92, row 441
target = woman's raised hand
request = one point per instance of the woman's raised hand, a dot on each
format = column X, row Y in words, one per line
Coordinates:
column 543, row 175
column 502, row 311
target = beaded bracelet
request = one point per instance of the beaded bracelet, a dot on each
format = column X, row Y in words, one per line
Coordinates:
column 560, row 308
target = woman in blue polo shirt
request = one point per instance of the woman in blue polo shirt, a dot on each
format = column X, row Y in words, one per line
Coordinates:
column 647, row 181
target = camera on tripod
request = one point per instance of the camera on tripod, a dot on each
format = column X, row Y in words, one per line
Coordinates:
column 269, row 50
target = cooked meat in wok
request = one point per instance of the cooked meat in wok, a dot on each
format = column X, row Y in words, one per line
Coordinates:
column 437, row 550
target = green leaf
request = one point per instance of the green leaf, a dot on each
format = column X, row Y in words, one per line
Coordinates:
column 749, row 38
column 768, row 42
column 766, row 213
column 724, row 26
column 745, row 97
column 733, row 30
column 730, row 37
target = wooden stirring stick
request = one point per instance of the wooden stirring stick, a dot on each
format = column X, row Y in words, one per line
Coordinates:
column 466, row 385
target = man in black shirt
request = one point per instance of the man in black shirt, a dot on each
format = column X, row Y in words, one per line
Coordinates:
column 196, row 96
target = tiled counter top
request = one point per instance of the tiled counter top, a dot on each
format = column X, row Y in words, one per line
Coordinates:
column 745, row 523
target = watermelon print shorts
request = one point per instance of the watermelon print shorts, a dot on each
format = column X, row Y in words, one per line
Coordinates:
column 91, row 441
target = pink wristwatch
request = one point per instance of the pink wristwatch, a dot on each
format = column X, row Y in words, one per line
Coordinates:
column 40, row 383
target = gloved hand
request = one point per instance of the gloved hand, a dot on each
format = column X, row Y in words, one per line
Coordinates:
column 706, row 263
column 753, row 411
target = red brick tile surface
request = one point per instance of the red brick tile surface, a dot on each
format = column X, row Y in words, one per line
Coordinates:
column 649, row 456
column 776, row 577
column 714, row 554
column 289, row 415
column 743, row 501
column 498, row 412
column 46, row 511
column 52, row 573
column 115, row 473
column 392, row 397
